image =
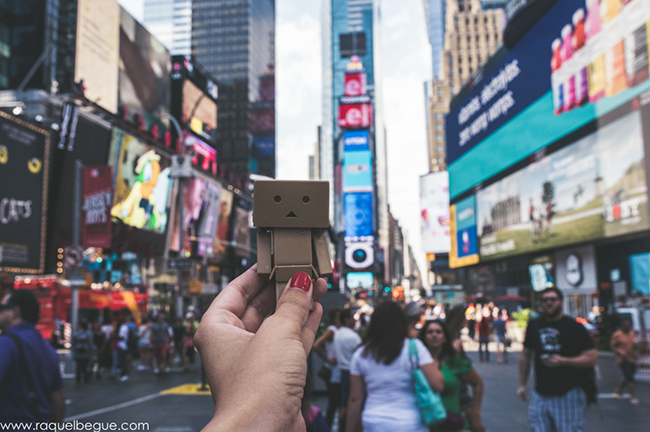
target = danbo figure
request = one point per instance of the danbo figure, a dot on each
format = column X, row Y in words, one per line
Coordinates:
column 292, row 217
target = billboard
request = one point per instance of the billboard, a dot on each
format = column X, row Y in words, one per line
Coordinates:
column 144, row 77
column 24, row 174
column 201, row 201
column 593, row 188
column 357, row 171
column 222, row 239
column 198, row 111
column 142, row 184
column 242, row 232
column 573, row 66
column 356, row 140
column 464, row 243
column 434, row 212
column 355, row 116
column 358, row 214
column 97, row 202
column 360, row 280
column 97, row 51
column 576, row 269
column 355, row 83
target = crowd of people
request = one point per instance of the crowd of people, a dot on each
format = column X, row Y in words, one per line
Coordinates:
column 111, row 348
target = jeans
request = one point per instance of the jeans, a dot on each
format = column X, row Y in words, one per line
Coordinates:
column 483, row 341
column 82, row 370
column 122, row 362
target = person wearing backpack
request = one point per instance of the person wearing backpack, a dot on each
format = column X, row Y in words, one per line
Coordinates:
column 564, row 368
column 31, row 388
column 83, row 349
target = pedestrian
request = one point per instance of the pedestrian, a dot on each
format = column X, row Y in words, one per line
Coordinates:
column 161, row 334
column 471, row 327
column 178, row 330
column 413, row 314
column 114, row 340
column 144, row 344
column 382, row 371
column 456, row 369
column 484, row 330
column 188, row 340
column 100, row 342
column 564, row 368
column 313, row 416
column 238, row 337
column 331, row 373
column 123, row 334
column 83, row 348
column 502, row 342
column 624, row 345
column 346, row 342
column 31, row 388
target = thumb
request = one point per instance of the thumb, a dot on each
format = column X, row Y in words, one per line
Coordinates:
column 295, row 301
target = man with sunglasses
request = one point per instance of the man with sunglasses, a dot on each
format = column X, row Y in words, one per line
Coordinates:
column 31, row 389
column 564, row 363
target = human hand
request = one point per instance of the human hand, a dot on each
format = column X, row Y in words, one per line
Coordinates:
column 476, row 423
column 257, row 367
column 553, row 361
column 522, row 393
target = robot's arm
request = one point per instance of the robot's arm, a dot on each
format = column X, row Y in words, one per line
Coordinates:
column 321, row 253
column 264, row 259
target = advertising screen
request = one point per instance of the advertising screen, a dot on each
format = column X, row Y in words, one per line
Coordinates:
column 358, row 214
column 434, row 212
column 242, row 232
column 576, row 269
column 97, row 203
column 590, row 189
column 356, row 140
column 357, row 171
column 24, row 156
column 142, row 184
column 360, row 280
column 97, row 52
column 263, row 145
column 577, row 63
column 355, row 116
column 199, row 111
column 464, row 243
column 145, row 82
column 222, row 240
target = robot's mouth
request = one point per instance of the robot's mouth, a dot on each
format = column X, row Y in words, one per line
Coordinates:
column 291, row 214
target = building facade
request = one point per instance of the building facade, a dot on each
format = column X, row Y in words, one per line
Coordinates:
column 473, row 31
column 171, row 22
column 235, row 41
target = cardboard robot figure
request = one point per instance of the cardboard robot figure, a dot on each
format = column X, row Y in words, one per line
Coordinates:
column 292, row 217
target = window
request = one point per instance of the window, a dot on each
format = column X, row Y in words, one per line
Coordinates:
column 352, row 44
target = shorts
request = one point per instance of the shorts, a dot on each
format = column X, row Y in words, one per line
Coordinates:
column 501, row 340
column 345, row 388
column 160, row 350
column 628, row 369
column 564, row 413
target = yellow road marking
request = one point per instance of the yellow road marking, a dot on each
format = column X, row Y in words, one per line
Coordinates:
column 187, row 389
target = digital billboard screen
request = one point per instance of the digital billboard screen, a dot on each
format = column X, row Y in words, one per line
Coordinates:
column 573, row 66
column 592, row 188
column 24, row 168
column 464, row 243
column 97, row 52
column 142, row 183
column 357, row 171
column 199, row 111
column 358, row 214
column 356, row 140
column 222, row 239
column 144, row 77
column 434, row 212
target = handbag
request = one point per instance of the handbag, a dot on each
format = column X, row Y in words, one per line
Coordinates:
column 429, row 403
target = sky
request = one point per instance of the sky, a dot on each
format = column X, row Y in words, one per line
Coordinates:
column 406, row 58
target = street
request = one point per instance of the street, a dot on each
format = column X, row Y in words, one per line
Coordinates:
column 145, row 398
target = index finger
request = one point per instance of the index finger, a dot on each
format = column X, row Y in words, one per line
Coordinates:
column 236, row 296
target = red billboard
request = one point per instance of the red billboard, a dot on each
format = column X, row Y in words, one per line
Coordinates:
column 355, row 84
column 355, row 116
column 97, row 202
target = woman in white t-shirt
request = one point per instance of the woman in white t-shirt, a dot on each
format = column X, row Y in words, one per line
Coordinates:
column 381, row 370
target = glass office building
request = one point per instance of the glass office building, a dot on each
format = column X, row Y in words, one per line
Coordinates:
column 235, row 41
column 171, row 22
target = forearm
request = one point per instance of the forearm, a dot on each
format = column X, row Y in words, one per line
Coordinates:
column 353, row 414
column 585, row 360
column 479, row 388
column 524, row 367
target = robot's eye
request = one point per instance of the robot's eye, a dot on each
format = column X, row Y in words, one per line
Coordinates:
column 305, row 199
column 277, row 198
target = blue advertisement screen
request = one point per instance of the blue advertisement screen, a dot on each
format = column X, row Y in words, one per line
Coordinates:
column 358, row 214
column 572, row 67
column 264, row 145
column 360, row 280
column 466, row 227
column 356, row 140
column 357, row 171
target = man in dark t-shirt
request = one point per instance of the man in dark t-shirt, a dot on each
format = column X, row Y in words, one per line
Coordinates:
column 564, row 361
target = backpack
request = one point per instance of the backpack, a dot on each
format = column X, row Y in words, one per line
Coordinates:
column 132, row 342
column 82, row 343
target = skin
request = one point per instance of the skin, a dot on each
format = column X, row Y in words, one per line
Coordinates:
column 12, row 317
column 626, row 327
column 328, row 336
column 552, row 308
column 242, row 350
column 435, row 340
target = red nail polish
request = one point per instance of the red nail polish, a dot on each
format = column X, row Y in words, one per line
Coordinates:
column 301, row 281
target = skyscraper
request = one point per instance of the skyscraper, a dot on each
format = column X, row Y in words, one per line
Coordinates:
column 351, row 31
column 473, row 33
column 235, row 41
column 434, row 13
column 171, row 22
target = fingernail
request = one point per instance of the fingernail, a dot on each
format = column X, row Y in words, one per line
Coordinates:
column 301, row 281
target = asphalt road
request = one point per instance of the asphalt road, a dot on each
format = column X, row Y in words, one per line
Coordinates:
column 141, row 400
